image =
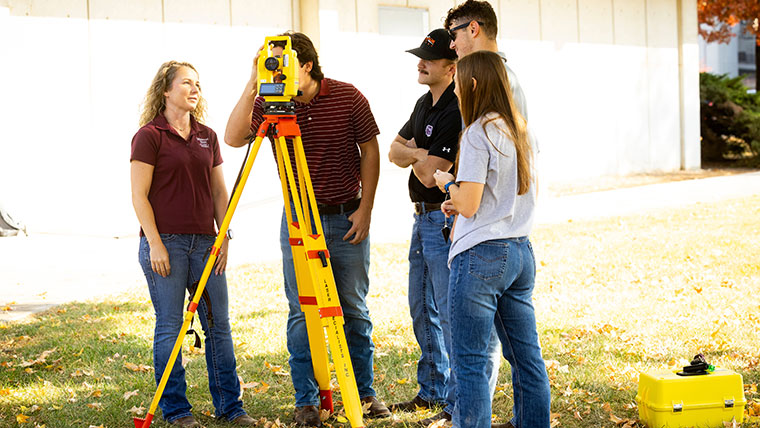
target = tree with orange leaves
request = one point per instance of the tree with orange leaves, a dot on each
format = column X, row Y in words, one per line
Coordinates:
column 717, row 17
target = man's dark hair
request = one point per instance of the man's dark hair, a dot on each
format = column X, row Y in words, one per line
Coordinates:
column 474, row 10
column 306, row 52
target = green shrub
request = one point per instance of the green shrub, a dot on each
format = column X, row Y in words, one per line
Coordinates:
column 730, row 118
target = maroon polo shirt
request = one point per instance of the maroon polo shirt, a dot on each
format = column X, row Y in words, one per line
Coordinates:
column 180, row 192
column 332, row 124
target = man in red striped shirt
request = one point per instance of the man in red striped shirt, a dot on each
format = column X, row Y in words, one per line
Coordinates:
column 340, row 140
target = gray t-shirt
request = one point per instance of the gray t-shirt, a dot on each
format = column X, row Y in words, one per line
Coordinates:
column 502, row 213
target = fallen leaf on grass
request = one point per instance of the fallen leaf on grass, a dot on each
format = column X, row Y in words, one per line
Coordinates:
column 278, row 370
column 7, row 308
column 32, row 409
column 136, row 368
column 324, row 415
column 96, row 394
column 341, row 419
column 97, row 426
column 96, row 406
column 130, row 394
column 440, row 423
column 262, row 389
column 40, row 359
column 22, row 418
column 732, row 424
column 402, row 381
column 5, row 391
column 138, row 411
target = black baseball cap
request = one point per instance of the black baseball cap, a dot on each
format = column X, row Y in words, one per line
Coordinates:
column 435, row 46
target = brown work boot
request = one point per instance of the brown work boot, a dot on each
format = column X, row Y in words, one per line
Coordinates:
column 186, row 422
column 308, row 416
column 435, row 418
column 376, row 409
column 243, row 421
column 413, row 405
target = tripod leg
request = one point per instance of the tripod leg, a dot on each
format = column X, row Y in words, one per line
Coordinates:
column 145, row 423
column 330, row 312
column 306, row 295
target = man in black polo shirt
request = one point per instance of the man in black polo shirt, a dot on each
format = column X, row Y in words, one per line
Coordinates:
column 429, row 141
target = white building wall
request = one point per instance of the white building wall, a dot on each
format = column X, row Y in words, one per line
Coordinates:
column 602, row 78
column 719, row 58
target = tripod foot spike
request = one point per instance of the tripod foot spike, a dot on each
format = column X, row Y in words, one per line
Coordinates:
column 143, row 423
column 325, row 400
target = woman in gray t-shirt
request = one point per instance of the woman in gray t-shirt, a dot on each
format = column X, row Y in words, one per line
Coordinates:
column 491, row 259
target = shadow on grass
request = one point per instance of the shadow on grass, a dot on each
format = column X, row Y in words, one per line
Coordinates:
column 103, row 351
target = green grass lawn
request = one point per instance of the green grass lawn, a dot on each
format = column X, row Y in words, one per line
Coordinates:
column 613, row 297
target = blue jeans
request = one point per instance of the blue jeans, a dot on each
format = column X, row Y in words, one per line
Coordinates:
column 428, row 294
column 491, row 288
column 187, row 256
column 428, row 306
column 350, row 265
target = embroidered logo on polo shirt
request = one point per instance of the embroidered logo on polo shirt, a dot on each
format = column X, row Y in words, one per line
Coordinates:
column 446, row 149
column 203, row 142
column 429, row 130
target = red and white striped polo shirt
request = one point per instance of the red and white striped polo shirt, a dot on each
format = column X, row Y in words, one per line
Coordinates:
column 332, row 124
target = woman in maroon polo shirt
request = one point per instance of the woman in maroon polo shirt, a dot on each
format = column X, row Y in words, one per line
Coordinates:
column 178, row 191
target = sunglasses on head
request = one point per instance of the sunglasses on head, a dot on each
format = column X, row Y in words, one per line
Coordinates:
column 452, row 31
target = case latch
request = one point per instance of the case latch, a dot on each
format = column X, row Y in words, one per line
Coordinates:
column 677, row 407
column 728, row 403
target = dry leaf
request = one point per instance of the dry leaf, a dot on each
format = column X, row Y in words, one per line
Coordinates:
column 440, row 423
column 262, row 389
column 136, row 368
column 324, row 415
column 402, row 381
column 96, row 406
column 96, row 394
column 130, row 394
column 137, row 410
column 732, row 424
column 22, row 418
column 341, row 419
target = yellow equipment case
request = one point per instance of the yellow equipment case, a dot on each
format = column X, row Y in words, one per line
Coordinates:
column 666, row 399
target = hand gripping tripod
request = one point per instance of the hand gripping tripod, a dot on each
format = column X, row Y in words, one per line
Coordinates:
column 317, row 292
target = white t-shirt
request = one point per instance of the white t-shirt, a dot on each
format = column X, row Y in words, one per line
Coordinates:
column 502, row 212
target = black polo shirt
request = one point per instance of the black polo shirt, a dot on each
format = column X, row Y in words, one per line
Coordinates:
column 435, row 128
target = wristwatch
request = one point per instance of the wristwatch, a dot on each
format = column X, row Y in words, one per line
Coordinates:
column 230, row 235
column 447, row 185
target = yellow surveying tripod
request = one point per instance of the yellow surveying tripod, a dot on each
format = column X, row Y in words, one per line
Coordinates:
column 317, row 293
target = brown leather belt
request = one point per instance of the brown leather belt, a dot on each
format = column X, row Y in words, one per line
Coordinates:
column 425, row 207
column 339, row 208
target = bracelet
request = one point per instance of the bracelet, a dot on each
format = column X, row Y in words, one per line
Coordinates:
column 447, row 185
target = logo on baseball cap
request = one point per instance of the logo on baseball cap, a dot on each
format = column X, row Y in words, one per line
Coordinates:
column 435, row 46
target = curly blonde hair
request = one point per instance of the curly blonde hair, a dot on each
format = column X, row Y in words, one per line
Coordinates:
column 155, row 101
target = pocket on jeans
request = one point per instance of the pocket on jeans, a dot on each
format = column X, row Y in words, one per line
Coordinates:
column 166, row 237
column 487, row 261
